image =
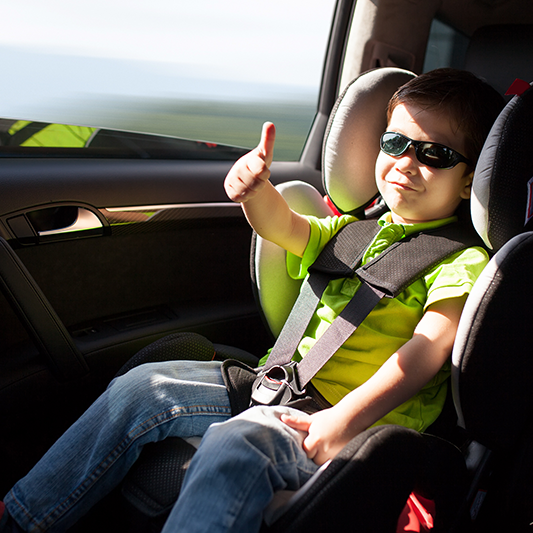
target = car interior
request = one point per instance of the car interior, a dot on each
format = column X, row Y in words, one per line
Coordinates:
column 102, row 256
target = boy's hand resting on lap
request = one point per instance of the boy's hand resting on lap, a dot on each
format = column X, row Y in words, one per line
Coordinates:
column 327, row 433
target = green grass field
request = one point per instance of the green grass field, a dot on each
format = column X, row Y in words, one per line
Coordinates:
column 232, row 123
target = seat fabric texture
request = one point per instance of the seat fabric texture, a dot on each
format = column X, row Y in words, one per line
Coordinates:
column 502, row 191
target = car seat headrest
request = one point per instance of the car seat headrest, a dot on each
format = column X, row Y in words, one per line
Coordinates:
column 501, row 53
column 502, row 190
column 351, row 141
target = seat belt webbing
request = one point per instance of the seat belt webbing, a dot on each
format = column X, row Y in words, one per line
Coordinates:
column 357, row 309
column 298, row 320
column 337, row 260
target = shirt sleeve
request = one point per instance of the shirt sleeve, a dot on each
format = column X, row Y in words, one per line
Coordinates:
column 455, row 276
column 322, row 230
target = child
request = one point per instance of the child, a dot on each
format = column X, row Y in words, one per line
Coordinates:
column 392, row 370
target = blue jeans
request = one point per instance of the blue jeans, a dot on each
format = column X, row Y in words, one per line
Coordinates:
column 232, row 477
column 239, row 466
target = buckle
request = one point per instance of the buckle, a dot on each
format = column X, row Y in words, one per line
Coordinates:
column 276, row 386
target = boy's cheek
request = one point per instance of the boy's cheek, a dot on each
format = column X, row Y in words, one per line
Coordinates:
column 381, row 173
column 381, row 169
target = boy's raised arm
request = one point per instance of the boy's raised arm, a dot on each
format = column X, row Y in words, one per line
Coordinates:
column 267, row 212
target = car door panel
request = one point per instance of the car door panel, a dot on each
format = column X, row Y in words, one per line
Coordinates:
column 164, row 259
column 171, row 254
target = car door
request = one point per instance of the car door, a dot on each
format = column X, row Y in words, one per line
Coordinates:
column 112, row 240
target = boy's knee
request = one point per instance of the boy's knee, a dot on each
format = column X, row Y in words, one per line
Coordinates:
column 259, row 427
column 141, row 382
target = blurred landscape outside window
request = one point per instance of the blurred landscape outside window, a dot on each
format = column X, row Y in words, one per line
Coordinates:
column 206, row 70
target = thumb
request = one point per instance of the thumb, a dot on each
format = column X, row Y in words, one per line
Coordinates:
column 301, row 423
column 266, row 144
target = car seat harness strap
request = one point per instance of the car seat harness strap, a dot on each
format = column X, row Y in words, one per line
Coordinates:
column 283, row 380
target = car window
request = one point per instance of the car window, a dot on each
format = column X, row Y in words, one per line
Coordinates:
column 23, row 138
column 446, row 47
column 204, row 71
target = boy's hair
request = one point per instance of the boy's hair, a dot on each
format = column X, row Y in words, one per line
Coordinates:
column 470, row 102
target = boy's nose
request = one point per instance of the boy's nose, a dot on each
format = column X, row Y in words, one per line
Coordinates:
column 408, row 160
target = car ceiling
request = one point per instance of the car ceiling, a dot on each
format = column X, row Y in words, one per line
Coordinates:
column 468, row 15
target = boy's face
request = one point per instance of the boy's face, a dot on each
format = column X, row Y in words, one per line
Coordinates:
column 413, row 191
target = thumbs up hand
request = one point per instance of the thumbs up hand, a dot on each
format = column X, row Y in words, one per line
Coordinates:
column 250, row 173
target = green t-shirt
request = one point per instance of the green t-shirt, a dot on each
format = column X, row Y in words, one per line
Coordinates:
column 390, row 324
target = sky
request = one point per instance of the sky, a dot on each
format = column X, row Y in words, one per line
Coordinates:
column 57, row 49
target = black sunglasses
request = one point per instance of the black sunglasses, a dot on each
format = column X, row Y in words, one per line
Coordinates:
column 430, row 154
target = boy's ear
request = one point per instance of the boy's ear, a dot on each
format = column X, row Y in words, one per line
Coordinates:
column 467, row 185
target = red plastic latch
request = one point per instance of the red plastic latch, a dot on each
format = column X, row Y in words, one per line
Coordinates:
column 417, row 515
column 518, row 87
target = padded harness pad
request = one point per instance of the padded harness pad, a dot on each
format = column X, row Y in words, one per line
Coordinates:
column 239, row 379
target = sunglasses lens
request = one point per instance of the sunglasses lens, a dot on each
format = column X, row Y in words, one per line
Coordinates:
column 436, row 155
column 431, row 154
column 394, row 144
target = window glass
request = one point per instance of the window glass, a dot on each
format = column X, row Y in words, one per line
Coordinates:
column 22, row 138
column 206, row 70
column 446, row 47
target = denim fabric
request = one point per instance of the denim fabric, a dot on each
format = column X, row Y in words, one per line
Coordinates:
column 241, row 461
column 235, row 472
column 149, row 403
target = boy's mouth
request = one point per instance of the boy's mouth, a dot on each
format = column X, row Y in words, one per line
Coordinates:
column 402, row 186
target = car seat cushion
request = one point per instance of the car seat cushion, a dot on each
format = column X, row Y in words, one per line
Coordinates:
column 492, row 349
column 502, row 190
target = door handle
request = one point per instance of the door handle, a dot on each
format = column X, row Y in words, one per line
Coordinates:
column 84, row 220
column 56, row 222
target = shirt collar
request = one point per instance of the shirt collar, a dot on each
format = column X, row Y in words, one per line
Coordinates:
column 386, row 220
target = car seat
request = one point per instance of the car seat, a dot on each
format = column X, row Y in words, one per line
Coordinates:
column 350, row 149
column 383, row 464
column 492, row 364
column 490, row 354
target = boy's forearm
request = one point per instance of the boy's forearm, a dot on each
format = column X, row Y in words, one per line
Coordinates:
column 394, row 383
column 405, row 373
column 398, row 380
column 272, row 219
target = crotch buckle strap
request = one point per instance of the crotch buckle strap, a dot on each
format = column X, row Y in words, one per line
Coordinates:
column 278, row 385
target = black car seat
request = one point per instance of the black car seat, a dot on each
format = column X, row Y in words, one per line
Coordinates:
column 382, row 465
column 491, row 351
column 350, row 150
column 492, row 359
column 492, row 362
